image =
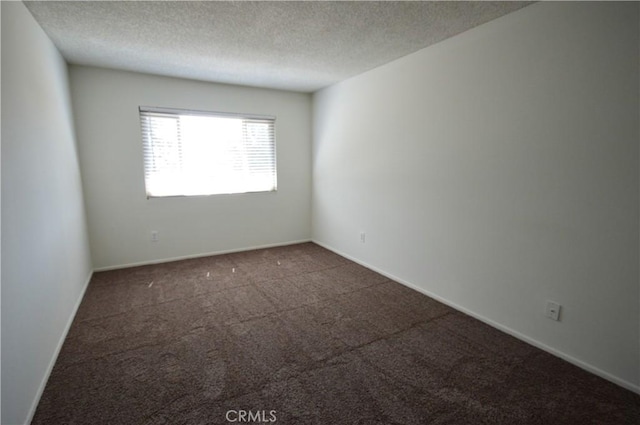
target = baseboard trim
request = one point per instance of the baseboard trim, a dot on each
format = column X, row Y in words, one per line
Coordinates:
column 206, row 254
column 45, row 379
column 581, row 364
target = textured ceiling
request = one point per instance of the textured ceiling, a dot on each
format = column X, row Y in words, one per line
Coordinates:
column 300, row 46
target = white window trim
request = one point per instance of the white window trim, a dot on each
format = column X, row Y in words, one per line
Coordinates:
column 148, row 146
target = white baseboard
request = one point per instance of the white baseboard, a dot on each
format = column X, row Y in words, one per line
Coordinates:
column 206, row 254
column 581, row 364
column 43, row 384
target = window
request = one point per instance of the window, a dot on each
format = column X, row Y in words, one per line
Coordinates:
column 188, row 153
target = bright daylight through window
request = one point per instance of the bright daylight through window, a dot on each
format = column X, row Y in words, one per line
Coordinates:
column 189, row 153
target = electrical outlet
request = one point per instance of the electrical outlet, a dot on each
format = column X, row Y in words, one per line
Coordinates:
column 154, row 236
column 362, row 237
column 553, row 310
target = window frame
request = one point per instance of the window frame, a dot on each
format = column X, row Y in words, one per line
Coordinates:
column 213, row 114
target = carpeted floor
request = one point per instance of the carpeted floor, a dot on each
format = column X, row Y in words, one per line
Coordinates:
column 300, row 335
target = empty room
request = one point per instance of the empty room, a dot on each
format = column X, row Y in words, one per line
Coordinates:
column 320, row 212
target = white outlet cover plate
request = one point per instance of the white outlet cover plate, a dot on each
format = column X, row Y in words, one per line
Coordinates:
column 553, row 310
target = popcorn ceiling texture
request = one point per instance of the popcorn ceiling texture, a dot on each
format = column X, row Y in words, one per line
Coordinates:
column 300, row 46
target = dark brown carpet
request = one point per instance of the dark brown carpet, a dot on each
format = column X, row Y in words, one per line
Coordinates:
column 303, row 332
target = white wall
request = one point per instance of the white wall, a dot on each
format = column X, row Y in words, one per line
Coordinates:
column 497, row 170
column 121, row 218
column 45, row 249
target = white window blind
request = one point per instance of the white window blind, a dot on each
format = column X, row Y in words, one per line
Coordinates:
column 188, row 153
